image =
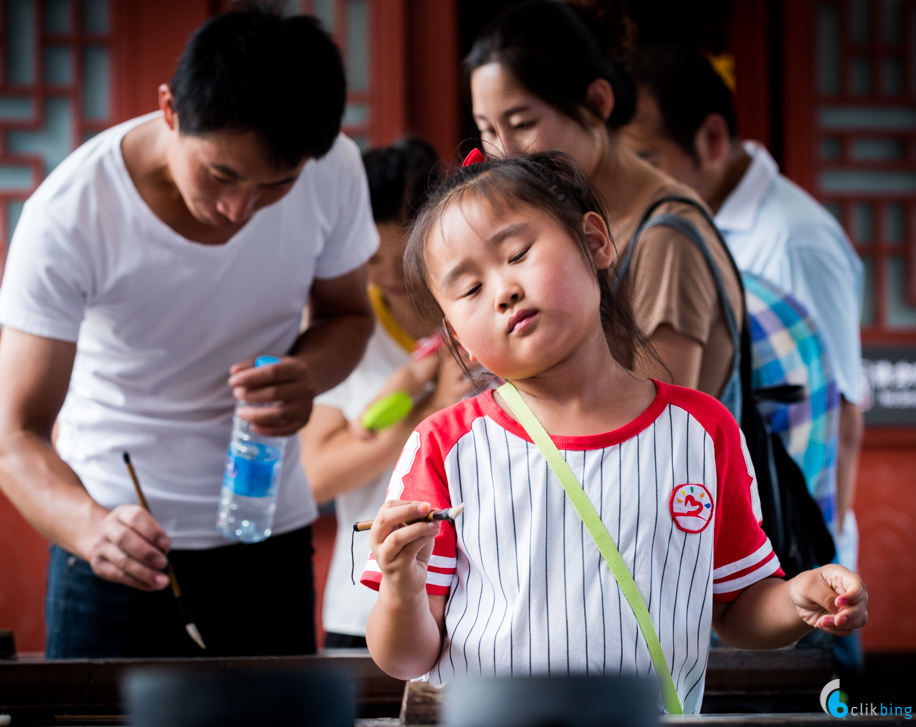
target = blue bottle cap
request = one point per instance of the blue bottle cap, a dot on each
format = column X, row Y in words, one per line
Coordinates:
column 265, row 361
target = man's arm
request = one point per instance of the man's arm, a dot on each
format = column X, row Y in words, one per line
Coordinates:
column 125, row 545
column 340, row 323
column 852, row 429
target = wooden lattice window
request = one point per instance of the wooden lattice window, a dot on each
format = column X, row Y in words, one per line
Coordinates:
column 54, row 91
column 865, row 130
column 371, row 38
column 348, row 22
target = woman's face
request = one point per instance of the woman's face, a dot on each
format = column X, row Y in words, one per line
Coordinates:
column 513, row 121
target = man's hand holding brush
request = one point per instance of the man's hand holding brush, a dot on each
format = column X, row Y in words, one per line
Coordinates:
column 128, row 546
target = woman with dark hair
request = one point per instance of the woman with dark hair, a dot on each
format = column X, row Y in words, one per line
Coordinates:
column 541, row 77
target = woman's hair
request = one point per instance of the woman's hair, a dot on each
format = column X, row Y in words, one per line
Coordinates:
column 550, row 182
column 399, row 177
column 557, row 50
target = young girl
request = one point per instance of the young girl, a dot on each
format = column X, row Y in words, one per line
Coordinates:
column 342, row 462
column 515, row 257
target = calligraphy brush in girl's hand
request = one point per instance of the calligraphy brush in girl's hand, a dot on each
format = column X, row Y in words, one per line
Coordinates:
column 189, row 624
column 447, row 515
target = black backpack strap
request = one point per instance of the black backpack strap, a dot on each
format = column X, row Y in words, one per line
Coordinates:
column 791, row 518
column 689, row 230
column 704, row 213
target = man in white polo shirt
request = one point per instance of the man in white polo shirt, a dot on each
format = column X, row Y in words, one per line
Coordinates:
column 685, row 125
column 145, row 275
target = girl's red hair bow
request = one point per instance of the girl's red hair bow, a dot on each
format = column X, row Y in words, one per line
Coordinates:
column 475, row 157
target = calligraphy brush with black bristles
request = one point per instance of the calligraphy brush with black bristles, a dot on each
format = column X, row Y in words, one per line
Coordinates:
column 189, row 624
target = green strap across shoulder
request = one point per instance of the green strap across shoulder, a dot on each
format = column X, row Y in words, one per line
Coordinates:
column 602, row 538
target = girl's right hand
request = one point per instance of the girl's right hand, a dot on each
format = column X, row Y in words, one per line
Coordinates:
column 356, row 428
column 403, row 551
column 411, row 378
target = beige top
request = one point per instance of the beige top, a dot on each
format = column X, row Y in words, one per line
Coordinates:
column 670, row 282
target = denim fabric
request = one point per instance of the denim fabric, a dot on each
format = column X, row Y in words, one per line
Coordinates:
column 84, row 615
column 246, row 600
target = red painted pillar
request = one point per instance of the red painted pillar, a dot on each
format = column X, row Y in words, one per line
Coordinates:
column 434, row 74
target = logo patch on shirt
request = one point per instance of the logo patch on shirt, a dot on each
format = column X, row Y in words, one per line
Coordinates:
column 691, row 507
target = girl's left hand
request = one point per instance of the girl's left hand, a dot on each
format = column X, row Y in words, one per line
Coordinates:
column 831, row 598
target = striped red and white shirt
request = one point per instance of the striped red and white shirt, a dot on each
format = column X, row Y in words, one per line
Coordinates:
column 528, row 590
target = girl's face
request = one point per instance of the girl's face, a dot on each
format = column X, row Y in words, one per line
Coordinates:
column 386, row 267
column 513, row 121
column 515, row 288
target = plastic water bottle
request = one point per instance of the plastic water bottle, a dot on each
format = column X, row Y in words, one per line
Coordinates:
column 253, row 465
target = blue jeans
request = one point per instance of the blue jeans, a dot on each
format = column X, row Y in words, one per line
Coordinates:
column 247, row 600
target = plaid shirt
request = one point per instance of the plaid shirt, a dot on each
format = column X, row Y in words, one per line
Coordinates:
column 788, row 349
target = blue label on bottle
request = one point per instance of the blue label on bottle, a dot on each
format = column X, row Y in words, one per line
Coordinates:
column 249, row 477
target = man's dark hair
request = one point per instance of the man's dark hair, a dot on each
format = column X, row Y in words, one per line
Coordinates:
column 556, row 51
column 400, row 176
column 252, row 70
column 686, row 88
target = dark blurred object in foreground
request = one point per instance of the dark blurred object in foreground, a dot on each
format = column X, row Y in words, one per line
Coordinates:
column 177, row 698
column 579, row 701
column 7, row 644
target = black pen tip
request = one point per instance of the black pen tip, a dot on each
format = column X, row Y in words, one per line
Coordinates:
column 126, row 457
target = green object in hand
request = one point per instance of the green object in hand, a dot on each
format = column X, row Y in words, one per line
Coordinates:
column 387, row 411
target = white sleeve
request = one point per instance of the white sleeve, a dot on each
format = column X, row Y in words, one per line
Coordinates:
column 354, row 394
column 828, row 288
column 337, row 398
column 48, row 278
column 353, row 239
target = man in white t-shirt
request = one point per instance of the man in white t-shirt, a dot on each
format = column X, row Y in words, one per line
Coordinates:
column 686, row 126
column 145, row 275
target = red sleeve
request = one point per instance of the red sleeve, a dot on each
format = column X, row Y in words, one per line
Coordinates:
column 420, row 476
column 742, row 552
